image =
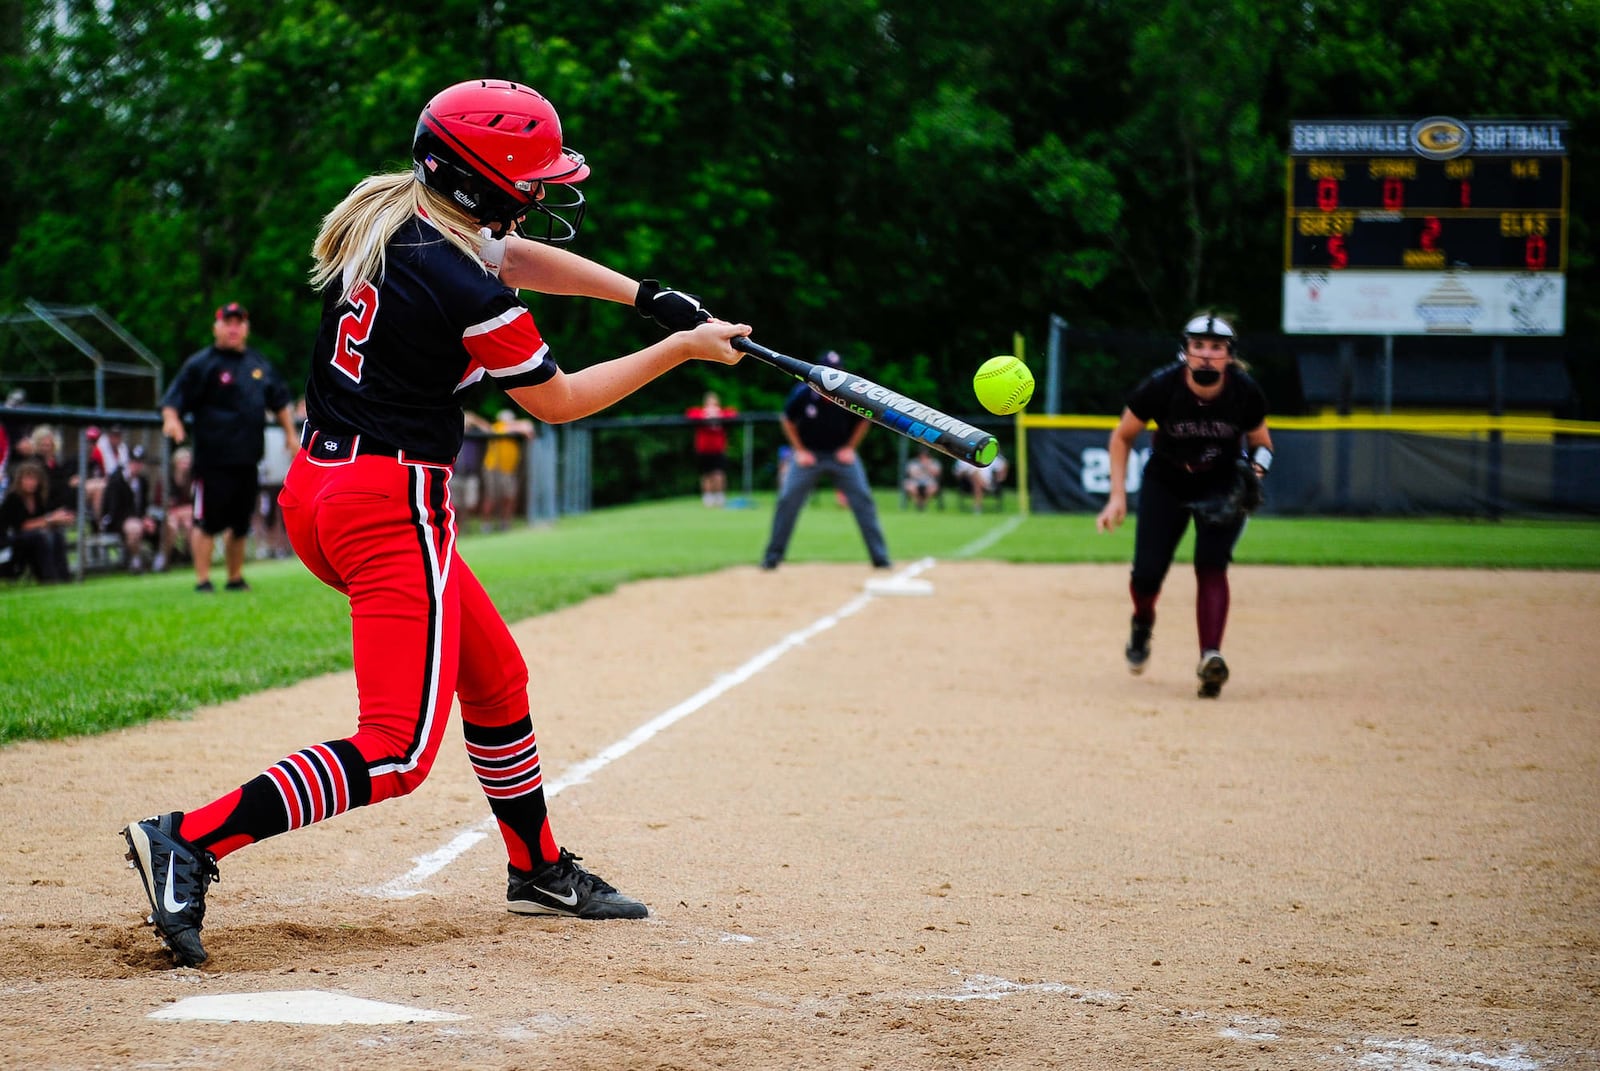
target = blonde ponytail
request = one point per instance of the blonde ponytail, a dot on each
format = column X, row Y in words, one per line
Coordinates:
column 351, row 244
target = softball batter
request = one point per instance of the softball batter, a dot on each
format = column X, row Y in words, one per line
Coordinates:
column 419, row 272
column 1203, row 405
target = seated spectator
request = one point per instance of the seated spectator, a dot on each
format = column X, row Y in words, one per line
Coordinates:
column 110, row 450
column 978, row 482
column 32, row 529
column 62, row 472
column 177, row 519
column 126, row 511
column 923, row 473
column 108, row 453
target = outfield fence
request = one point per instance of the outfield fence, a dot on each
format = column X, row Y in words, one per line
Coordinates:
column 1358, row 465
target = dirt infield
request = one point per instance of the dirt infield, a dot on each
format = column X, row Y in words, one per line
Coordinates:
column 946, row 831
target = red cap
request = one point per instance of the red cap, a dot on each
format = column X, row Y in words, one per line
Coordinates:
column 233, row 311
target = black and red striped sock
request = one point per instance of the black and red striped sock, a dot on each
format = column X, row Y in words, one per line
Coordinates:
column 311, row 785
column 506, row 761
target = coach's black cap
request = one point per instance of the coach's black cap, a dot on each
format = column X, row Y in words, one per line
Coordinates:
column 233, row 311
column 136, row 454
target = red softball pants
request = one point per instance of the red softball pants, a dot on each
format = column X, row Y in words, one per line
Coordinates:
column 382, row 531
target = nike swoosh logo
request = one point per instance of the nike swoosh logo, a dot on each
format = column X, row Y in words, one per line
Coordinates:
column 571, row 899
column 170, row 902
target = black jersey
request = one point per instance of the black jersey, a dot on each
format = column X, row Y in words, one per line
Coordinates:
column 1196, row 441
column 228, row 393
column 390, row 361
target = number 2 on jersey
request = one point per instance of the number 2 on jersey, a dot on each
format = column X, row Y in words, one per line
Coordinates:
column 354, row 327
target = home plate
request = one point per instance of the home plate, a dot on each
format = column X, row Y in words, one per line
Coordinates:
column 896, row 585
column 297, row 1006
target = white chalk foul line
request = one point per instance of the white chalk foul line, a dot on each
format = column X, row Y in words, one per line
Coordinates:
column 410, row 883
column 994, row 535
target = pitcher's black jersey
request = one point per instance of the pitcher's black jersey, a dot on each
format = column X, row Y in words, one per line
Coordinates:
column 390, row 361
column 1196, row 441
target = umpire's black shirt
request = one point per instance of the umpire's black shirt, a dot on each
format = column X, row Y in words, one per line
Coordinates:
column 821, row 426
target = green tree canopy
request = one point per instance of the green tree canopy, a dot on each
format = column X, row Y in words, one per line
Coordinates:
column 910, row 183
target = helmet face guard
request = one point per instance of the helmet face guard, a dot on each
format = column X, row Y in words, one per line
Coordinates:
column 560, row 206
column 494, row 148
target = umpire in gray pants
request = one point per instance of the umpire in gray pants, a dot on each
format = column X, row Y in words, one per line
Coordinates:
column 824, row 437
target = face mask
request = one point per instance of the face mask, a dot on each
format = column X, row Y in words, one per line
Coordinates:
column 1205, row 377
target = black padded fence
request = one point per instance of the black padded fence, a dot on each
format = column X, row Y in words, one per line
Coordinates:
column 1356, row 473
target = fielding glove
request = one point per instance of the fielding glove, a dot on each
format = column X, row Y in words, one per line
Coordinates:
column 672, row 309
column 1243, row 497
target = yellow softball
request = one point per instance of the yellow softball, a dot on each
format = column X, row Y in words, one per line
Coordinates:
column 1003, row 384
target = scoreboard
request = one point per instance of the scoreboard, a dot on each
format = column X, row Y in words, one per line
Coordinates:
column 1434, row 225
column 1389, row 212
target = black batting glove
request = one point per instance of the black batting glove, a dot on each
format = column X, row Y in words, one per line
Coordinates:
column 672, row 309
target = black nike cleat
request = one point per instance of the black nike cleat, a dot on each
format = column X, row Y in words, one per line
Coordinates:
column 1138, row 650
column 175, row 875
column 1213, row 674
column 565, row 888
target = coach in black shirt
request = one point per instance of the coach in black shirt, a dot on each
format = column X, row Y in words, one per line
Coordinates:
column 226, row 388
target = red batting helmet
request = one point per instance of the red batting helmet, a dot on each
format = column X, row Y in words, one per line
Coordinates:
column 492, row 147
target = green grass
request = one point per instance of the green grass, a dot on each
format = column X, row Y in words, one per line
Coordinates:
column 1431, row 542
column 120, row 650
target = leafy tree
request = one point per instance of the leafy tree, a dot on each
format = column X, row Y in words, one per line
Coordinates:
column 910, row 183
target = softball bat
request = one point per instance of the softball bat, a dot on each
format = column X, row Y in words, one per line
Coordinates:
column 882, row 406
